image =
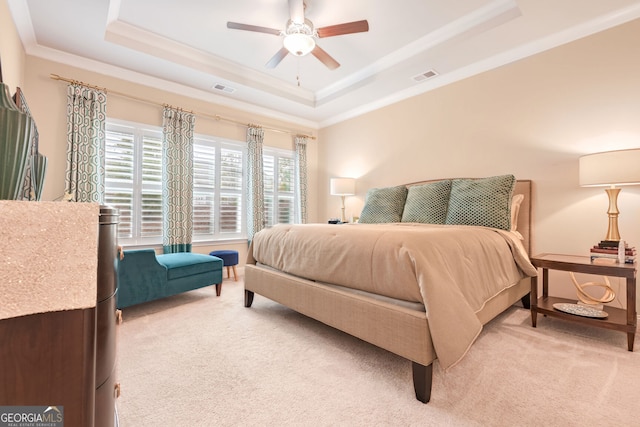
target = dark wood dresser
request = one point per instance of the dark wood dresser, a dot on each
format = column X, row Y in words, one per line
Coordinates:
column 107, row 387
column 68, row 357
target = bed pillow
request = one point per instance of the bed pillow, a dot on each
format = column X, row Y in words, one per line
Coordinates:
column 384, row 205
column 427, row 203
column 484, row 202
column 516, row 201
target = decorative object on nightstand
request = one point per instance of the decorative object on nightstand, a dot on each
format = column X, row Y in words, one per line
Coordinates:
column 610, row 169
column 609, row 252
column 343, row 187
column 613, row 251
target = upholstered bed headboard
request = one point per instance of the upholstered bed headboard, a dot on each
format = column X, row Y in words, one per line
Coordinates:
column 524, row 187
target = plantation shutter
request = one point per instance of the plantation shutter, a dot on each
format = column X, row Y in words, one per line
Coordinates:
column 204, row 178
column 268, row 169
column 151, row 191
column 231, row 185
column 119, row 169
column 286, row 186
column 127, row 193
column 279, row 186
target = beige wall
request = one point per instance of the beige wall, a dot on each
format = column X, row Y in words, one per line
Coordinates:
column 47, row 101
column 532, row 118
column 47, row 98
column 12, row 56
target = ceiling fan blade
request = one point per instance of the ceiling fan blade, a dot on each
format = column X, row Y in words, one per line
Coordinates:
column 325, row 58
column 257, row 29
column 347, row 28
column 275, row 60
column 296, row 11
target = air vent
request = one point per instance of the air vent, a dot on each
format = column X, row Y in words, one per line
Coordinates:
column 222, row 88
column 424, row 76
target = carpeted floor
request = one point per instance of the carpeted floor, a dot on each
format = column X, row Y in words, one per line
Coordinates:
column 198, row 360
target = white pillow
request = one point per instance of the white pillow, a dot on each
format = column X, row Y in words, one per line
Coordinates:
column 516, row 201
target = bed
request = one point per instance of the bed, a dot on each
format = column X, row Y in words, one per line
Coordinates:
column 430, row 263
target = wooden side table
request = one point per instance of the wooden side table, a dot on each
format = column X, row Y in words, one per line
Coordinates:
column 617, row 319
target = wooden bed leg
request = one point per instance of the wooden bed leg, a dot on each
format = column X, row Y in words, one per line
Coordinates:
column 248, row 298
column 422, row 376
column 526, row 301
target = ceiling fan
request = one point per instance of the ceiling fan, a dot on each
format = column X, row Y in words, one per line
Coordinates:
column 299, row 35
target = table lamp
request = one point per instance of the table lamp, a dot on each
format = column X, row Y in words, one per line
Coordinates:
column 343, row 187
column 611, row 168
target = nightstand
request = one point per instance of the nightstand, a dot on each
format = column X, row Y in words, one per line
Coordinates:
column 617, row 319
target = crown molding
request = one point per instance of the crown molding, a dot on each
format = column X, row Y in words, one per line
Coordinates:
column 555, row 40
column 499, row 8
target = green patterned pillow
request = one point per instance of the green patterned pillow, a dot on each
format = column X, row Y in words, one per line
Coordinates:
column 384, row 205
column 427, row 203
column 484, row 202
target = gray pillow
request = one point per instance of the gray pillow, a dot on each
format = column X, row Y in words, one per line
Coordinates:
column 427, row 203
column 485, row 202
column 384, row 205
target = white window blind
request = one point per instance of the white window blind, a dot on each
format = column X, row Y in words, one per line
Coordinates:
column 218, row 190
column 231, row 190
column 268, row 171
column 134, row 185
column 204, row 179
column 279, row 187
column 286, row 190
column 133, row 179
column 151, row 188
column 119, row 167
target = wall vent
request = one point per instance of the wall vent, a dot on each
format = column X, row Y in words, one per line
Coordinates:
column 222, row 88
column 424, row 76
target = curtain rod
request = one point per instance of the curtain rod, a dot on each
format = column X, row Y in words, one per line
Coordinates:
column 215, row 117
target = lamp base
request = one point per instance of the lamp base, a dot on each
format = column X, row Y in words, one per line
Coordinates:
column 343, row 218
column 612, row 230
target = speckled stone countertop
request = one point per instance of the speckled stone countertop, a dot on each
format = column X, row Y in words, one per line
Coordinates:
column 48, row 256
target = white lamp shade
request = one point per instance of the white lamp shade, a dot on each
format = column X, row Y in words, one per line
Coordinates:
column 343, row 186
column 610, row 168
column 299, row 44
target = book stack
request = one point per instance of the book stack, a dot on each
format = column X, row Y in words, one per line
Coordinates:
column 608, row 249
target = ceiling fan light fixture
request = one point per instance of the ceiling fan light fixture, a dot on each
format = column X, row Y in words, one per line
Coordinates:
column 299, row 44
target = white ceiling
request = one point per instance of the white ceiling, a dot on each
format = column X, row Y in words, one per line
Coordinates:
column 185, row 46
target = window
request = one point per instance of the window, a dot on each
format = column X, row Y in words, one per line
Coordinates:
column 133, row 179
column 204, row 184
column 279, row 187
column 218, row 188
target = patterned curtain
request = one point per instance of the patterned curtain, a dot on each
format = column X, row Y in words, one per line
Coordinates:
column 255, row 181
column 301, row 177
column 86, row 115
column 177, row 180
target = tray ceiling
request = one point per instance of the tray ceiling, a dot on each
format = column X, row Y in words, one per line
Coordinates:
column 411, row 47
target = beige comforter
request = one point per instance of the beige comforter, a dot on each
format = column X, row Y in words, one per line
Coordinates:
column 452, row 270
